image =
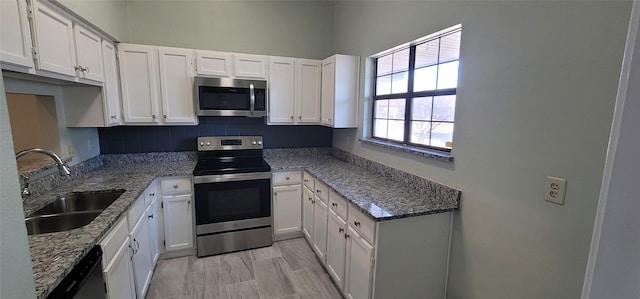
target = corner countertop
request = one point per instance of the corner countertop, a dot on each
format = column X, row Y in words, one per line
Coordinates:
column 55, row 254
column 377, row 196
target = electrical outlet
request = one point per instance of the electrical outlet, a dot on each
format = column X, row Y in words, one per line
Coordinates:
column 70, row 150
column 555, row 190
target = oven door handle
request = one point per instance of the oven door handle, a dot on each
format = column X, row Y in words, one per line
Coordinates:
column 205, row 179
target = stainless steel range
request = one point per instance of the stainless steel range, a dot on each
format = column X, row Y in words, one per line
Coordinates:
column 232, row 185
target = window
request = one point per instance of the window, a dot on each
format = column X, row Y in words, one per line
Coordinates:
column 415, row 92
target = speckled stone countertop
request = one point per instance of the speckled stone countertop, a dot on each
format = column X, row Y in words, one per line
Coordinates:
column 54, row 255
column 376, row 196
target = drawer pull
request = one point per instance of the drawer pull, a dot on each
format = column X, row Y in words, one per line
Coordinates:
column 306, row 181
column 151, row 216
column 341, row 230
column 356, row 223
column 346, row 236
column 319, row 191
column 334, row 204
column 287, row 178
column 175, row 186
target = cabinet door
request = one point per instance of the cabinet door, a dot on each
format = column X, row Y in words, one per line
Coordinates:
column 111, row 85
column 336, row 248
column 213, row 63
column 250, row 66
column 139, row 83
column 142, row 267
column 307, row 214
column 176, row 82
column 88, row 54
column 152, row 228
column 281, row 89
column 308, row 84
column 320, row 229
column 15, row 35
column 54, row 40
column 287, row 209
column 178, row 222
column 118, row 276
column 328, row 91
column 359, row 266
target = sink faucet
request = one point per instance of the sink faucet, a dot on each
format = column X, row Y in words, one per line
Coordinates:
column 63, row 168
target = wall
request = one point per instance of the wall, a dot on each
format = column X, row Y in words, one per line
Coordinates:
column 536, row 93
column 119, row 140
column 16, row 274
column 83, row 140
column 108, row 15
column 34, row 123
column 285, row 28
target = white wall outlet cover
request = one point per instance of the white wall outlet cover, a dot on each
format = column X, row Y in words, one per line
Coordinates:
column 555, row 190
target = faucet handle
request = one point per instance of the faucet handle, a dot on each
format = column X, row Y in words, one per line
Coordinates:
column 25, row 190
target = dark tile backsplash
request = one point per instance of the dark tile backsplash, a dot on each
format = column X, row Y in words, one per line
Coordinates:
column 136, row 139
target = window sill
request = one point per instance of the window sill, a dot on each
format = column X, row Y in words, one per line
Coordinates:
column 432, row 154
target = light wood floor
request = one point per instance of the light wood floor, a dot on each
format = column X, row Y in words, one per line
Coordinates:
column 288, row 269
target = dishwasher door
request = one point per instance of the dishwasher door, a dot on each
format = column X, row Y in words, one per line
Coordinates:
column 85, row 281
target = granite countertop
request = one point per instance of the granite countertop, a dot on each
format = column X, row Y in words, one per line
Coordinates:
column 377, row 196
column 55, row 254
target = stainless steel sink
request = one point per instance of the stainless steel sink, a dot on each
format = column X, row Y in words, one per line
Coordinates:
column 59, row 222
column 81, row 201
column 70, row 211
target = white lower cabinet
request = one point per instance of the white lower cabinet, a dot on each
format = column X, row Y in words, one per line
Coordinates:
column 307, row 214
column 118, row 275
column 142, row 260
column 177, row 213
column 152, row 227
column 359, row 262
column 287, row 209
column 336, row 248
column 320, row 211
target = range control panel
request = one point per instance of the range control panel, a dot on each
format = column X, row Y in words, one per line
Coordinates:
column 223, row 143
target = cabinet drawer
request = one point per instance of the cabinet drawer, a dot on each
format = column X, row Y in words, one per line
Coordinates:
column 308, row 180
column 322, row 191
column 135, row 211
column 287, row 178
column 176, row 185
column 364, row 225
column 338, row 204
column 113, row 240
column 150, row 194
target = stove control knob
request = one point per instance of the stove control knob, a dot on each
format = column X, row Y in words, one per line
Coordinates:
column 259, row 141
column 208, row 143
column 201, row 143
column 254, row 142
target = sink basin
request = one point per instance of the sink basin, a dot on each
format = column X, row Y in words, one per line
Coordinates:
column 81, row 201
column 59, row 222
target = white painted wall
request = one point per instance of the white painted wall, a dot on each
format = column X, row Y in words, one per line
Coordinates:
column 108, row 15
column 613, row 270
column 536, row 93
column 16, row 274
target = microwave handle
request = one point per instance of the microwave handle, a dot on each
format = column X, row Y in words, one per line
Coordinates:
column 252, row 97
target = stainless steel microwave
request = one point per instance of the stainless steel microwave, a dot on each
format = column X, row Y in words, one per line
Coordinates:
column 230, row 97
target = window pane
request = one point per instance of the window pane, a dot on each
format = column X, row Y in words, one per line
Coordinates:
column 427, row 54
column 450, row 47
column 396, row 130
column 420, row 132
column 384, row 65
column 383, row 85
column 425, row 78
column 401, row 61
column 421, row 108
column 448, row 75
column 441, row 134
column 444, row 108
column 396, row 109
column 399, row 84
column 380, row 128
column 381, row 109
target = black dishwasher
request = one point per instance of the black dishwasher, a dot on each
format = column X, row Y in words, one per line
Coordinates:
column 85, row 280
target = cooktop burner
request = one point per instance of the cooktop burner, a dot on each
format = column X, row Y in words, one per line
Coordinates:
column 227, row 155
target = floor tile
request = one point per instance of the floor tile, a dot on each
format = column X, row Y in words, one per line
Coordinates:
column 298, row 254
column 272, row 278
column 310, row 283
column 236, row 267
column 266, row 252
column 242, row 290
column 168, row 278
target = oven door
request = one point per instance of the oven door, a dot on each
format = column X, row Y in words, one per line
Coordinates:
column 232, row 202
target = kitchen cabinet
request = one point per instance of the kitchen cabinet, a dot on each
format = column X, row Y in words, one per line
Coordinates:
column 249, row 66
column 88, row 49
column 152, row 227
column 177, row 213
column 287, row 204
column 111, row 89
column 307, row 214
column 336, row 248
column 54, row 40
column 360, row 262
column 320, row 213
column 294, row 91
column 15, row 35
column 142, row 260
column 156, row 76
column 281, row 90
column 339, row 108
column 211, row 63
column 116, row 262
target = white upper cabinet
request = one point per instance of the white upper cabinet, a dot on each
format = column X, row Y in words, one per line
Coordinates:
column 340, row 91
column 15, row 34
column 54, row 40
column 250, row 66
column 281, row 90
column 308, row 79
column 176, row 82
column 212, row 63
column 139, row 83
column 111, row 87
column 88, row 54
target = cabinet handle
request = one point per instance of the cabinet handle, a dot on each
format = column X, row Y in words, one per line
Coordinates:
column 346, row 236
column 188, row 202
column 132, row 253
column 275, row 193
column 356, row 223
column 318, row 191
column 334, row 204
column 306, row 181
column 151, row 216
column 165, row 116
column 287, row 178
column 77, row 68
column 291, row 117
column 153, row 116
column 113, row 117
column 137, row 246
column 300, row 117
column 341, row 230
column 86, row 69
